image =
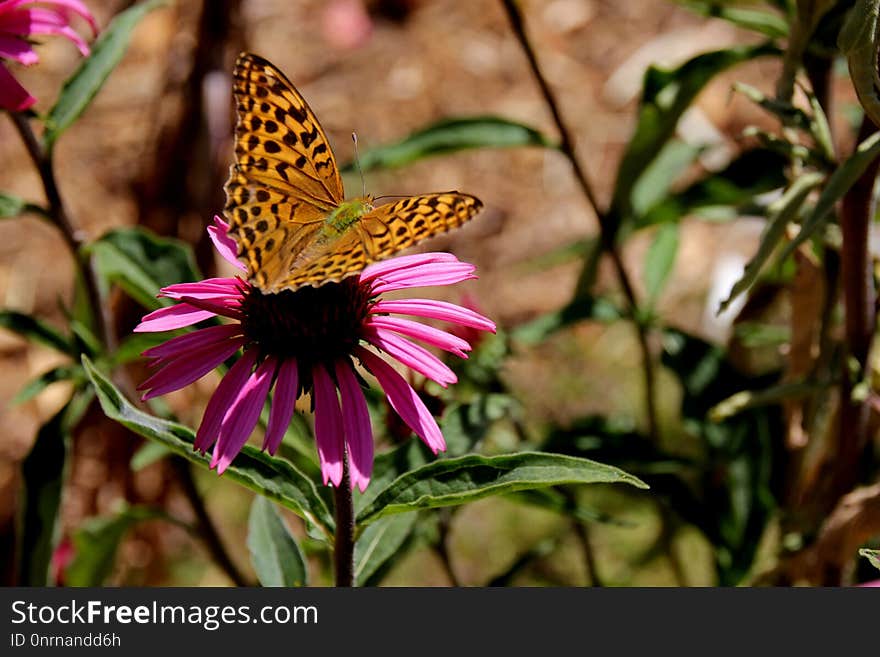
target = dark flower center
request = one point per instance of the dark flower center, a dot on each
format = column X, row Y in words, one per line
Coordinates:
column 312, row 324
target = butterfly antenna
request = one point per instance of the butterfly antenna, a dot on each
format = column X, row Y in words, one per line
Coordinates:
column 357, row 161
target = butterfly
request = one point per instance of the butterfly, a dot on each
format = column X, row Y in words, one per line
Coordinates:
column 284, row 198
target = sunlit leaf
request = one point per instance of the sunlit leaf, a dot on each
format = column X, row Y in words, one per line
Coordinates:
column 871, row 555
column 275, row 554
column 451, row 135
column 87, row 80
column 379, row 546
column 271, row 477
column 749, row 18
column 450, row 482
column 660, row 259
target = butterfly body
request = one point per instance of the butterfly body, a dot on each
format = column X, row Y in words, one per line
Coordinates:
column 285, row 201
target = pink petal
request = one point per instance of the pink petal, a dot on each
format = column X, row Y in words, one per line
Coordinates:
column 442, row 310
column 225, row 394
column 224, row 244
column 242, row 416
column 283, row 404
column 210, row 288
column 356, row 422
column 60, row 6
column 196, row 339
column 17, row 49
column 176, row 373
column 229, row 307
column 328, row 426
column 13, row 96
column 400, row 263
column 411, row 355
column 433, row 336
column 404, row 400
column 172, row 317
column 425, row 276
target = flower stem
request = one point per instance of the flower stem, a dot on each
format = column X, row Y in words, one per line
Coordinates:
column 57, row 214
column 609, row 223
column 343, row 548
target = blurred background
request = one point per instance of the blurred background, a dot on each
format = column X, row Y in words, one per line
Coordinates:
column 154, row 150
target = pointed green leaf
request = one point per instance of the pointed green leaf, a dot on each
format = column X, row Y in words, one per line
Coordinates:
column 13, row 206
column 450, row 482
column 43, row 472
column 665, row 97
column 379, row 545
column 275, row 554
column 779, row 214
column 660, row 260
column 36, row 330
column 871, row 555
column 96, row 541
column 87, row 80
column 451, row 135
column 271, row 477
column 754, row 19
column 56, row 374
column 141, row 263
column 840, row 182
column 659, row 176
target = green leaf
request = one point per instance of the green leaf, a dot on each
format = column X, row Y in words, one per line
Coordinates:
column 13, row 206
column 465, row 425
column 665, row 97
column 56, row 374
column 756, row 20
column 450, row 135
column 658, row 177
column 36, row 330
column 43, row 472
column 147, row 454
column 275, row 554
column 872, row 555
column 779, row 214
column 141, row 263
column 379, row 545
column 660, row 260
column 450, row 482
column 271, row 477
column 96, row 541
column 583, row 308
column 753, row 172
column 840, row 182
column 87, row 80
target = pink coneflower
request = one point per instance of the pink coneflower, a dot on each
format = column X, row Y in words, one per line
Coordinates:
column 307, row 341
column 19, row 21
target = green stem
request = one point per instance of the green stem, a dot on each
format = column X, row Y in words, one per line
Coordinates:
column 343, row 546
column 608, row 224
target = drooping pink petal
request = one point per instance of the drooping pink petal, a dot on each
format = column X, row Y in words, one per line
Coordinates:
column 41, row 21
column 412, row 355
column 59, row 6
column 224, row 244
column 433, row 336
column 172, row 317
column 180, row 371
column 17, row 49
column 242, row 416
column 328, row 426
column 283, row 404
column 442, row 310
column 404, row 400
column 402, row 263
column 219, row 289
column 425, row 276
column 196, row 339
column 220, row 402
column 356, row 424
column 13, row 96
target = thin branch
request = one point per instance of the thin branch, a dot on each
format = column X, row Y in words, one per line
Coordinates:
column 207, row 532
column 608, row 225
column 74, row 236
column 443, row 523
column 343, row 546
